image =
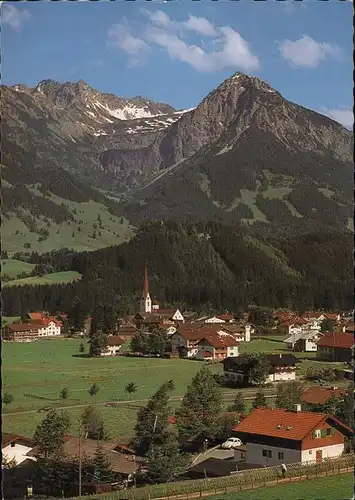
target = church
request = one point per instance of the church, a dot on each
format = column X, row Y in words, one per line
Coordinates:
column 149, row 310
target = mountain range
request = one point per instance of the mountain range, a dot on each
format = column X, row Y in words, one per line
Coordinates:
column 74, row 157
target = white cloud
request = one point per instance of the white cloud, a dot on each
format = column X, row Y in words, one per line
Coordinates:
column 201, row 25
column 345, row 116
column 227, row 49
column 119, row 35
column 13, row 16
column 307, row 52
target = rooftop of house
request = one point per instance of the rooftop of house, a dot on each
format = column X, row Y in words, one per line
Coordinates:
column 214, row 467
column 284, row 424
column 303, row 335
column 225, row 317
column 23, row 327
column 218, row 341
column 45, row 321
column 114, row 340
column 344, row 340
column 37, row 315
column 319, row 395
column 121, row 461
column 7, row 439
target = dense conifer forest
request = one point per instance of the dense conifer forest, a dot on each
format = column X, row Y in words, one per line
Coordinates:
column 203, row 266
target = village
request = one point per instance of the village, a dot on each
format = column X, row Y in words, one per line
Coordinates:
column 304, row 428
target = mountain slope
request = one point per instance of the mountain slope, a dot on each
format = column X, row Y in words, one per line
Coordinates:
column 201, row 266
column 271, row 162
column 244, row 154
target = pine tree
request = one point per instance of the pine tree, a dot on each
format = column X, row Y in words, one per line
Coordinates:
column 76, row 315
column 239, row 405
column 93, row 424
column 152, row 421
column 201, row 407
column 49, row 433
column 288, row 394
column 98, row 343
column 130, row 388
column 64, row 393
column 103, row 472
column 140, row 343
column 259, row 400
column 165, row 462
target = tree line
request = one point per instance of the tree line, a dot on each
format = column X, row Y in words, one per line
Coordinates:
column 204, row 267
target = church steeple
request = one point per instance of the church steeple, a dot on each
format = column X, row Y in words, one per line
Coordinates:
column 146, row 302
column 146, row 284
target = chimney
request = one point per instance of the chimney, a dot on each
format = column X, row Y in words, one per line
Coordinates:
column 298, row 408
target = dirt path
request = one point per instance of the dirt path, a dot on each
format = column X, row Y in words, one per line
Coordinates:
column 227, row 397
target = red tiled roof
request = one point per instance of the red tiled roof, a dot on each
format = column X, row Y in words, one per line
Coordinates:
column 337, row 339
column 36, row 315
column 190, row 334
column 22, row 327
column 113, row 340
column 166, row 312
column 220, row 340
column 280, row 423
column 206, row 354
column 7, row 439
column 319, row 395
column 225, row 317
column 45, row 321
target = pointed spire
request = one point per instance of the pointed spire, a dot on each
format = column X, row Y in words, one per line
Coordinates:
column 146, row 286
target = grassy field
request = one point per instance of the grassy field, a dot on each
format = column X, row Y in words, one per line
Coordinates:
column 34, row 374
column 72, row 234
column 46, row 279
column 327, row 488
column 13, row 267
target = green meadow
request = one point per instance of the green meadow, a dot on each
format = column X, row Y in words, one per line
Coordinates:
column 339, row 487
column 34, row 373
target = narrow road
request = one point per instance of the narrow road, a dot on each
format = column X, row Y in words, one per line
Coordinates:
column 228, row 397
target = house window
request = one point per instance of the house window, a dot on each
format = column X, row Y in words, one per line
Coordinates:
column 317, row 433
column 267, row 453
column 310, row 452
column 280, row 455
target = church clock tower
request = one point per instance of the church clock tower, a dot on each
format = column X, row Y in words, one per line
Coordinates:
column 146, row 301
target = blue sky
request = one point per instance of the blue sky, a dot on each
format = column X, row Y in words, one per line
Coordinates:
column 178, row 51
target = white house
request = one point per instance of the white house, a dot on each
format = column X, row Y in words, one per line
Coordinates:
column 304, row 341
column 242, row 333
column 48, row 327
column 186, row 339
column 114, row 345
column 276, row 436
column 282, row 367
column 16, row 448
column 217, row 346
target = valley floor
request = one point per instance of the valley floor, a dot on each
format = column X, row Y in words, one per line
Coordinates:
column 34, row 374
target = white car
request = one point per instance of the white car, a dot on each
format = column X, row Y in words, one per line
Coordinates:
column 231, row 443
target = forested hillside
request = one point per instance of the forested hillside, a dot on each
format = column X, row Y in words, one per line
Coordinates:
column 205, row 266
